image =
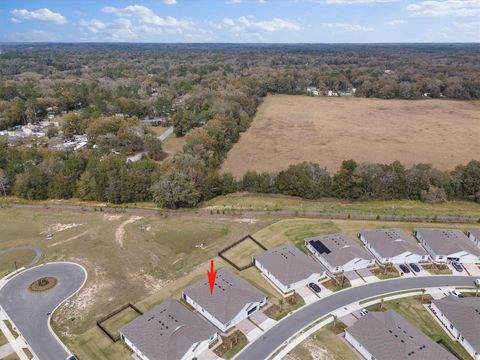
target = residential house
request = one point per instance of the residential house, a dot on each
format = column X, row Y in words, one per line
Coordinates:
column 288, row 268
column 445, row 245
column 461, row 316
column 388, row 336
column 393, row 246
column 233, row 299
column 168, row 332
column 339, row 253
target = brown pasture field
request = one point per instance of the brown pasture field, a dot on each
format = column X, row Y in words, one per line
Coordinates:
column 291, row 129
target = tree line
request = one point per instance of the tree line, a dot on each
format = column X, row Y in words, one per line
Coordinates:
column 188, row 179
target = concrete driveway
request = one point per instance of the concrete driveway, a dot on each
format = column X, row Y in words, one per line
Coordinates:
column 30, row 311
column 472, row 269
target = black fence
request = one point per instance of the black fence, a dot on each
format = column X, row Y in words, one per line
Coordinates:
column 115, row 337
column 239, row 268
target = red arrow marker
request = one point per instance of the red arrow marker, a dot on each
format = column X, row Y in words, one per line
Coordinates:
column 212, row 275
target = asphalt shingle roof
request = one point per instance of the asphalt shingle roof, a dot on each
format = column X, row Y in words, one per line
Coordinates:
column 464, row 314
column 392, row 242
column 388, row 336
column 448, row 241
column 230, row 295
column 167, row 331
column 288, row 264
column 338, row 249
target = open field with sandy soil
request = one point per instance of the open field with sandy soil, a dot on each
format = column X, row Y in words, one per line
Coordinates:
column 291, row 129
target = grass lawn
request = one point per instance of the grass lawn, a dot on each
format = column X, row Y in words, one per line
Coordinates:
column 10, row 327
column 28, row 353
column 413, row 311
column 247, row 201
column 116, row 322
column 3, row 339
column 241, row 254
column 324, row 340
column 21, row 257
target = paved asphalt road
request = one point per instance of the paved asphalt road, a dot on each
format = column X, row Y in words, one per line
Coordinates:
column 274, row 337
column 29, row 310
column 38, row 253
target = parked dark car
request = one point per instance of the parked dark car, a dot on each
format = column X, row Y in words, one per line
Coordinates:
column 314, row 287
column 72, row 357
column 404, row 268
column 415, row 267
column 457, row 266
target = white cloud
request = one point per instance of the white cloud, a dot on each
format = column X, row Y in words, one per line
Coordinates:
column 43, row 14
column 357, row 1
column 395, row 22
column 118, row 30
column 470, row 29
column 445, row 8
column 247, row 24
column 144, row 18
column 348, row 27
column 170, row 2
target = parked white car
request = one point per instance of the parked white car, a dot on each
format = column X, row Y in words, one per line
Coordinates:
column 477, row 282
column 456, row 293
column 363, row 312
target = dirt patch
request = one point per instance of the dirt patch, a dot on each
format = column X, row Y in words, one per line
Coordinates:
column 43, row 284
column 292, row 129
column 316, row 351
column 56, row 228
column 110, row 217
column 69, row 239
column 120, row 233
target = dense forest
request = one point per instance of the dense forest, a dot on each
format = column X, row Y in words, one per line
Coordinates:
column 210, row 94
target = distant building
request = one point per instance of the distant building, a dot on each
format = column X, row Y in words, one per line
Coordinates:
column 461, row 316
column 168, row 332
column 338, row 253
column 388, row 336
column 232, row 301
column 393, row 246
column 288, row 268
column 446, row 245
column 474, row 235
column 312, row 91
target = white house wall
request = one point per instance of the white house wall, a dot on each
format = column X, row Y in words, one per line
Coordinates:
column 359, row 347
column 474, row 239
column 134, row 348
column 456, row 334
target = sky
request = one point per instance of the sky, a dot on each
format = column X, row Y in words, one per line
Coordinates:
column 240, row 21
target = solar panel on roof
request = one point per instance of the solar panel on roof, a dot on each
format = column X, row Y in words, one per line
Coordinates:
column 320, row 247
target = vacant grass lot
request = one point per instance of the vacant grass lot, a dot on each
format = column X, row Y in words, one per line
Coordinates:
column 126, row 262
column 18, row 257
column 241, row 254
column 291, row 129
column 116, row 322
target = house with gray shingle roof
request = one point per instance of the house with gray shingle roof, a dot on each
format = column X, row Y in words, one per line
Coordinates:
column 393, row 246
column 446, row 244
column 168, row 332
column 474, row 235
column 337, row 252
column 288, row 268
column 232, row 301
column 388, row 336
column 461, row 316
